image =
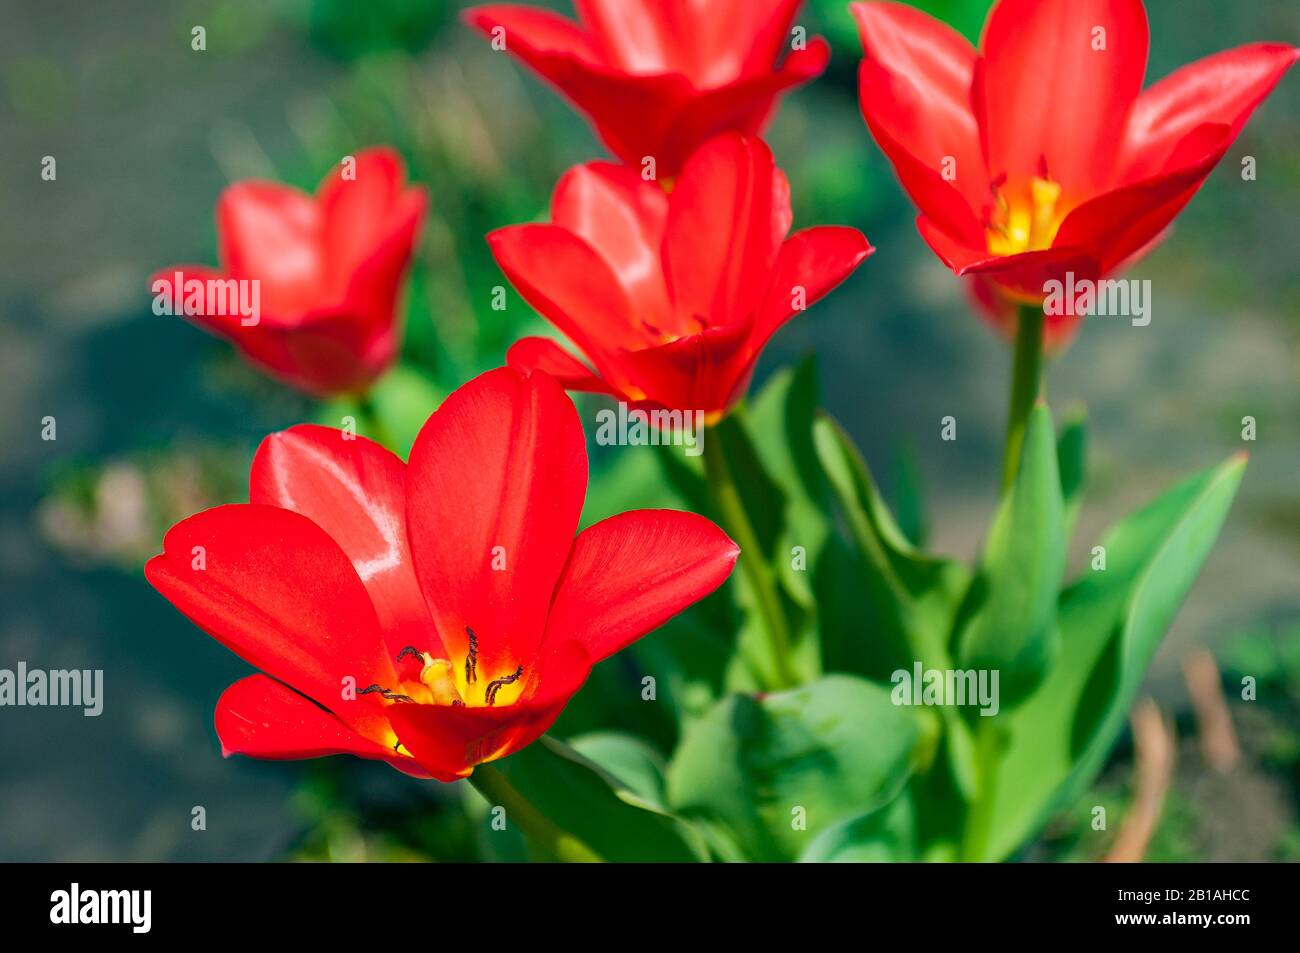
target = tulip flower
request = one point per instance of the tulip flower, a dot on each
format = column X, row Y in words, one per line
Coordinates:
column 671, row 296
column 1040, row 153
column 438, row 614
column 327, row 268
column 658, row 78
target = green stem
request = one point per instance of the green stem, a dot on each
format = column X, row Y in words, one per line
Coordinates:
column 372, row 424
column 979, row 817
column 554, row 843
column 726, row 495
column 1026, row 385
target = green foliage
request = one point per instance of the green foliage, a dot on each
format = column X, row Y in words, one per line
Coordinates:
column 769, row 773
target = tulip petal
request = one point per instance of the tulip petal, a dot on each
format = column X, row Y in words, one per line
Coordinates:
column 622, row 217
column 915, row 91
column 631, row 573
column 811, row 263
column 721, row 238
column 570, row 285
column 271, row 586
column 1059, row 77
column 355, row 490
column 495, row 486
column 271, row 232
column 261, row 718
column 1023, row 275
column 1221, row 89
column 356, row 210
column 449, row 742
column 543, row 354
column 700, row 372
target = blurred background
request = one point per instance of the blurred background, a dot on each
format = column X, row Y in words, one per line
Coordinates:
column 155, row 420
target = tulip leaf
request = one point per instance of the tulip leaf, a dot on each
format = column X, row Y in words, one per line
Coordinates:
column 1008, row 621
column 772, row 772
column 601, row 811
column 1072, row 461
column 909, row 496
column 885, row 835
column 912, row 597
column 636, row 764
column 1111, row 622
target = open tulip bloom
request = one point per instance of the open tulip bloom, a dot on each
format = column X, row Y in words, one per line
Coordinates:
column 671, row 296
column 437, row 614
column 1040, row 153
column 658, row 78
column 328, row 268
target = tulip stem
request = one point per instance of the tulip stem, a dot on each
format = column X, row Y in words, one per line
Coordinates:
column 554, row 844
column 372, row 424
column 1026, row 385
column 722, row 486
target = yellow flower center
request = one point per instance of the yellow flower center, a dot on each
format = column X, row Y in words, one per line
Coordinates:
column 1022, row 227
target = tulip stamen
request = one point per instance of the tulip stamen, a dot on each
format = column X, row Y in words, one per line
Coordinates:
column 497, row 684
column 409, row 650
column 387, row 693
column 471, row 660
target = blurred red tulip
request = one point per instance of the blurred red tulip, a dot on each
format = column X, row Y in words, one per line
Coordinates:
column 328, row 270
column 658, row 78
column 1040, row 153
column 671, row 296
column 451, row 591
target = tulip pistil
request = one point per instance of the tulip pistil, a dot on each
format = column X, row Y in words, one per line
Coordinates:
column 1018, row 227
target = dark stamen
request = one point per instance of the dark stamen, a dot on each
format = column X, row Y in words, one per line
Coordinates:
column 471, row 660
column 496, row 685
column 388, row 693
column 409, row 650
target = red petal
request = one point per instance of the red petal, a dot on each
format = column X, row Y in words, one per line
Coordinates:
column 498, row 474
column 449, row 741
column 273, row 233
column 542, row 354
column 262, row 718
column 708, row 371
column 1116, row 225
column 1023, row 275
column 721, row 241
column 1223, row 88
column 356, row 212
column 632, row 114
column 1049, row 96
column 631, row 573
column 355, row 490
column 571, row 286
column 331, row 352
column 915, row 89
column 814, row 260
column 743, row 106
column 622, row 218
column 281, row 594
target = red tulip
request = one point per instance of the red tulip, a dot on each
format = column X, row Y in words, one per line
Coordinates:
column 328, row 269
column 658, row 78
column 1040, row 153
column 671, row 297
column 450, row 591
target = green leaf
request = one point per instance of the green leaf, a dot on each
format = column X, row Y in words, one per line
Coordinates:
column 1072, row 460
column 1010, row 615
column 403, row 399
column 886, row 835
column 636, row 764
column 1111, row 623
column 580, row 797
column 754, row 766
column 909, row 496
column 913, row 597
